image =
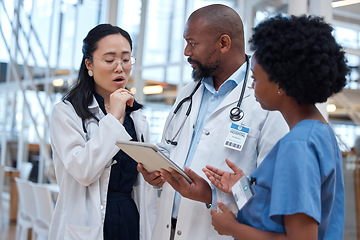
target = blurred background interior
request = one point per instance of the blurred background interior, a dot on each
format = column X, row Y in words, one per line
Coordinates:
column 40, row 52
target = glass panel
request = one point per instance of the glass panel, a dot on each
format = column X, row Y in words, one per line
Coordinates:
column 187, row 73
column 346, row 37
column 353, row 63
column 157, row 32
column 156, row 115
column 129, row 16
column 5, row 28
column 67, row 31
column 76, row 21
column 153, row 74
column 347, row 132
column 41, row 17
column 172, row 74
column 176, row 41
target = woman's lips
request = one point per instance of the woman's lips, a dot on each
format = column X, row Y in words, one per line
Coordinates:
column 119, row 79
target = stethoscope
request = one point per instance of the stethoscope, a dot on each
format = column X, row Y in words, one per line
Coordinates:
column 236, row 114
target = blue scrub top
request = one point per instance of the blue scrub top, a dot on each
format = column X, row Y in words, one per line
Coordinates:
column 301, row 174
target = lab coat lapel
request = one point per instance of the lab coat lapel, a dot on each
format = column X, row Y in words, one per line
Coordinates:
column 194, row 113
column 91, row 124
column 187, row 131
column 196, row 105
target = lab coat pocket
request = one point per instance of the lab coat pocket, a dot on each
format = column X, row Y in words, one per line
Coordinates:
column 73, row 232
column 251, row 141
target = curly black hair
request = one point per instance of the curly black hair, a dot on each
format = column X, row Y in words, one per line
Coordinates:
column 301, row 55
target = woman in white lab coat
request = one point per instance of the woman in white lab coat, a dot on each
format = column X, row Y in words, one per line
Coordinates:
column 96, row 179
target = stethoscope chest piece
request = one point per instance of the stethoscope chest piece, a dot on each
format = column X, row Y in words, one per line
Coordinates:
column 236, row 114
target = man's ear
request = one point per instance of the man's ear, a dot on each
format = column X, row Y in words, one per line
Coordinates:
column 225, row 43
column 88, row 64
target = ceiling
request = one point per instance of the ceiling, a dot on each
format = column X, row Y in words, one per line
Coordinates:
column 353, row 8
column 348, row 14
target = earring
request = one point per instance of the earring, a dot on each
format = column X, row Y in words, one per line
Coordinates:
column 90, row 73
column 279, row 92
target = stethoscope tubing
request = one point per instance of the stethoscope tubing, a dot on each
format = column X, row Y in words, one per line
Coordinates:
column 234, row 115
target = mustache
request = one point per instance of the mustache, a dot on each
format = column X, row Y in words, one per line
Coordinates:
column 191, row 61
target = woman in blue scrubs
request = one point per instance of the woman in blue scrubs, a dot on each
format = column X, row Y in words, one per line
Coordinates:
column 299, row 189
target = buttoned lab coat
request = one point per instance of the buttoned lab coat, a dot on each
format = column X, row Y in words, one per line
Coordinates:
column 82, row 165
column 266, row 128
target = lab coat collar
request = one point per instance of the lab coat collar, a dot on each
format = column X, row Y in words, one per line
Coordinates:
column 94, row 104
column 95, row 108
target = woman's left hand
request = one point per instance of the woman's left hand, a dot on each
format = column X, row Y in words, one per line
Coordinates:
column 221, row 179
column 118, row 101
column 224, row 220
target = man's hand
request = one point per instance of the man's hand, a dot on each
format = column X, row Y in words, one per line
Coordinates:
column 221, row 179
column 198, row 190
column 153, row 178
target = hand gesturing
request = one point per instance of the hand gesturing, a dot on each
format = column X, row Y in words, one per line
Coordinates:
column 221, row 179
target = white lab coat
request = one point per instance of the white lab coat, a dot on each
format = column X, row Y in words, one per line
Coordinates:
column 266, row 128
column 82, row 165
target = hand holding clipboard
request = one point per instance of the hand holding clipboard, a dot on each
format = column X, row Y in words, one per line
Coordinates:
column 150, row 156
column 187, row 183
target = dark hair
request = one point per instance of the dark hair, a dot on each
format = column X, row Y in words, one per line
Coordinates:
column 81, row 94
column 302, row 56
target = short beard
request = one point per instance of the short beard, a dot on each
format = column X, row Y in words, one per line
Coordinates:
column 202, row 71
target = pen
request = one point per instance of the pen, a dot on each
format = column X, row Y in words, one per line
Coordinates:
column 252, row 181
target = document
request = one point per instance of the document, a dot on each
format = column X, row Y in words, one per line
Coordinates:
column 150, row 156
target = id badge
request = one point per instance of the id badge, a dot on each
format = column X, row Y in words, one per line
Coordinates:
column 242, row 192
column 236, row 137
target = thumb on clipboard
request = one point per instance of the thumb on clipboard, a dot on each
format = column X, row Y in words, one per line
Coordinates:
column 153, row 178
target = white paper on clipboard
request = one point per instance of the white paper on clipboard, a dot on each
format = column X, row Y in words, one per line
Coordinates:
column 150, row 156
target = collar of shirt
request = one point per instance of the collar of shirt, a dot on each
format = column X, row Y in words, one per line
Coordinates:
column 227, row 86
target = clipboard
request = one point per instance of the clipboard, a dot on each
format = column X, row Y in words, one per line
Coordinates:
column 150, row 156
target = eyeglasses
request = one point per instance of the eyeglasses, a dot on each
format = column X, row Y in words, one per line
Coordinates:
column 112, row 62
